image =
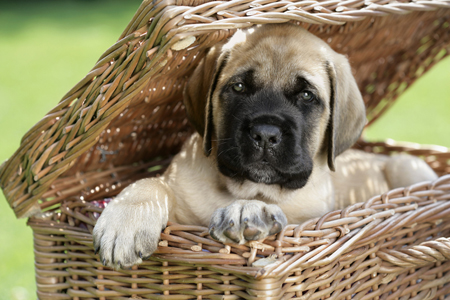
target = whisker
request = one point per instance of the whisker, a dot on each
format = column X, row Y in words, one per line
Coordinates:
column 221, row 140
column 237, row 118
column 226, row 150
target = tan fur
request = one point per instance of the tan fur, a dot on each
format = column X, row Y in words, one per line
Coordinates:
column 360, row 175
column 193, row 191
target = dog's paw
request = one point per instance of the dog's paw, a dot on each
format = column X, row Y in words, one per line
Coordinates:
column 246, row 220
column 129, row 229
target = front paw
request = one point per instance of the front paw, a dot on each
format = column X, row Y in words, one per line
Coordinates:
column 246, row 220
column 128, row 230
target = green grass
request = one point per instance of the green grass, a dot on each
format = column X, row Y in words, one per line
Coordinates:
column 47, row 47
column 422, row 113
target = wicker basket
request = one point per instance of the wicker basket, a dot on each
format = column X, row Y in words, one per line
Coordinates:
column 393, row 246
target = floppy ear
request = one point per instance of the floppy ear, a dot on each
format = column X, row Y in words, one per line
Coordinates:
column 198, row 93
column 347, row 110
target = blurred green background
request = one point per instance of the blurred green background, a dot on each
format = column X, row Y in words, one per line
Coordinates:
column 46, row 47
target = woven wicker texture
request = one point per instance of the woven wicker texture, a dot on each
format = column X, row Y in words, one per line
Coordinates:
column 125, row 119
column 393, row 246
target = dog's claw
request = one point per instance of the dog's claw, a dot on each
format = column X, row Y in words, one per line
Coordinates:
column 231, row 235
column 251, row 233
column 275, row 228
column 213, row 234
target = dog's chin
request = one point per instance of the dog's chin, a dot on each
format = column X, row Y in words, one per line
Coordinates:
column 262, row 172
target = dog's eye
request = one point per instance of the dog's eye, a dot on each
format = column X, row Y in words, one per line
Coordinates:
column 238, row 87
column 307, row 96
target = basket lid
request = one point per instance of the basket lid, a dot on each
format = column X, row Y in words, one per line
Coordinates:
column 128, row 109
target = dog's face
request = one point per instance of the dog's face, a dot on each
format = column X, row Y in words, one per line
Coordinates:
column 272, row 103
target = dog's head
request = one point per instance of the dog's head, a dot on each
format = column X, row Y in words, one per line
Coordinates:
column 272, row 102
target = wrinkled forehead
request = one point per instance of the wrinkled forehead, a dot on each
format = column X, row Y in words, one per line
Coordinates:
column 277, row 56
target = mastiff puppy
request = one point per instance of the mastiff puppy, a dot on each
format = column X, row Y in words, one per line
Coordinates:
column 273, row 108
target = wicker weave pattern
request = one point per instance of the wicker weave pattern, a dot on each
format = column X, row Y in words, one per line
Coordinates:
column 130, row 101
column 389, row 247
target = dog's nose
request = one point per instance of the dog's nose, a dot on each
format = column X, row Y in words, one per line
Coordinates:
column 266, row 136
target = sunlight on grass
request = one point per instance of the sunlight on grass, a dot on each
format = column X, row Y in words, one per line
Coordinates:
column 422, row 113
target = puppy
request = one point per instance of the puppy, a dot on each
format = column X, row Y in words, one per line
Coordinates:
column 273, row 108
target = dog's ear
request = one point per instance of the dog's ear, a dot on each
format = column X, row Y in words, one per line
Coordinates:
column 199, row 91
column 347, row 110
